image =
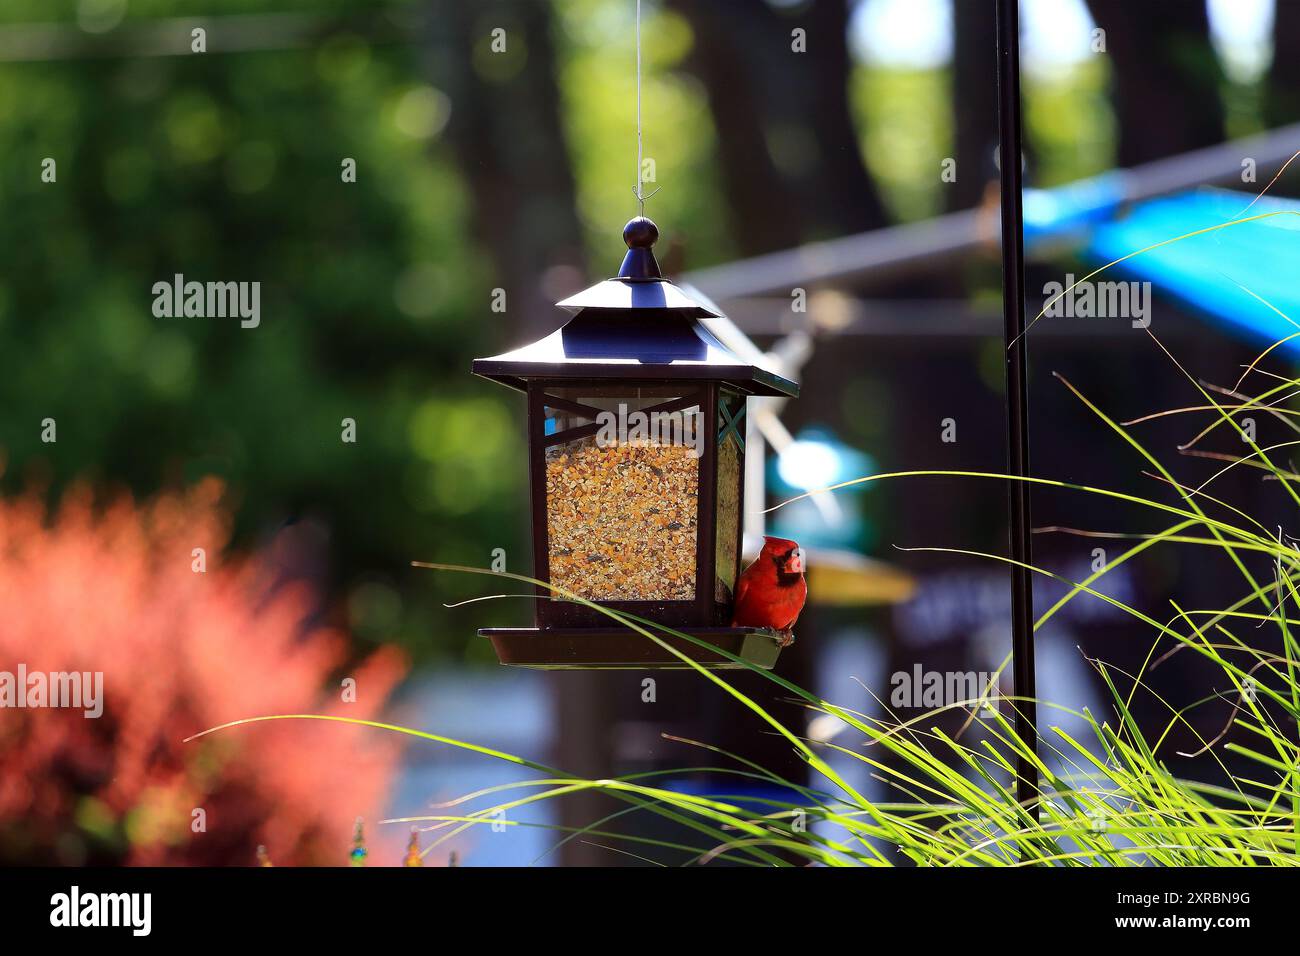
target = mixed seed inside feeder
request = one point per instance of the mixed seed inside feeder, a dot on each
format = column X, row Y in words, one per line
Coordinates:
column 622, row 520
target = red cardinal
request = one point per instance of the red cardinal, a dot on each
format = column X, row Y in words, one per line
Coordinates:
column 771, row 591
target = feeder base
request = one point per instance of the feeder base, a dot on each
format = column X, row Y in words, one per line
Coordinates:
column 617, row 648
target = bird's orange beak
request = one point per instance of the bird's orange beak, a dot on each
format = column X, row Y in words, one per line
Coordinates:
column 796, row 564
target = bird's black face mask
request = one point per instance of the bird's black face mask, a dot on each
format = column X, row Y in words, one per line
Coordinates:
column 789, row 566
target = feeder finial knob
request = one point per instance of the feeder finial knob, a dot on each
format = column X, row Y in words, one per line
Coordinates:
column 639, row 264
column 640, row 233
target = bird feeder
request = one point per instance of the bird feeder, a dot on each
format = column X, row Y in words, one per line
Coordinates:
column 636, row 446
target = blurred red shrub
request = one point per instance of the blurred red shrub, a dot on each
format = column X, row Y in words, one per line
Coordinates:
column 113, row 589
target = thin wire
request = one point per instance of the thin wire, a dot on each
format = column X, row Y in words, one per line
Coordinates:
column 640, row 191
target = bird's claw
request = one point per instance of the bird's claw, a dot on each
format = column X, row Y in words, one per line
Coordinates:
column 784, row 638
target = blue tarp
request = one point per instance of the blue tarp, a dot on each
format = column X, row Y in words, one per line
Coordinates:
column 1210, row 272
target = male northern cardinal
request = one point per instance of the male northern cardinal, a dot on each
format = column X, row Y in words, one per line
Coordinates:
column 771, row 591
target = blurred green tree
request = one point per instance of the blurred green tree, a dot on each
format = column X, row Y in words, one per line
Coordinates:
column 1167, row 78
column 230, row 165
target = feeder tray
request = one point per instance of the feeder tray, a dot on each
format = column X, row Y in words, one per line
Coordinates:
column 618, row 648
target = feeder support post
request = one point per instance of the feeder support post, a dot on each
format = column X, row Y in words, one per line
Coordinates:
column 1013, row 308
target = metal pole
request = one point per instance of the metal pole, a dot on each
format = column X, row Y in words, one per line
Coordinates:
column 1013, row 308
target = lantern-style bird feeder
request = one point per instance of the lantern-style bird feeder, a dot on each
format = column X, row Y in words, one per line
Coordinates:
column 636, row 447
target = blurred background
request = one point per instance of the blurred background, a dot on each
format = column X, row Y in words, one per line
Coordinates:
column 487, row 161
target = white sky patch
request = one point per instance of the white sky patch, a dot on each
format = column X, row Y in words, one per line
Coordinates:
column 1055, row 34
column 1242, row 31
column 906, row 33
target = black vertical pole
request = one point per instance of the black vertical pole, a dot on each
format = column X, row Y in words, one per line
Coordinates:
column 1013, row 309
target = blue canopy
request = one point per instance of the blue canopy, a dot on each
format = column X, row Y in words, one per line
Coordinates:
column 1210, row 272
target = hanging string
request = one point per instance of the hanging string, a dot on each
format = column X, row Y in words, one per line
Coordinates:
column 640, row 195
column 639, row 190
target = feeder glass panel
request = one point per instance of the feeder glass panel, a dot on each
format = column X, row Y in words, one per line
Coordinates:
column 731, row 475
column 622, row 491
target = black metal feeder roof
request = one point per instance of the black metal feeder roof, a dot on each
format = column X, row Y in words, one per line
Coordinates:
column 637, row 325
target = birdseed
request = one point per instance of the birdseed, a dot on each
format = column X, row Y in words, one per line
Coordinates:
column 621, row 520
